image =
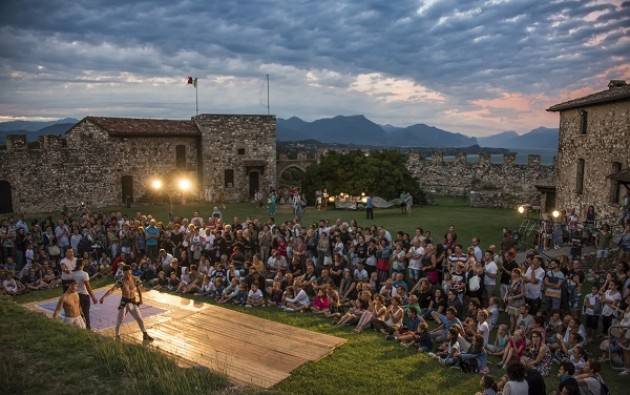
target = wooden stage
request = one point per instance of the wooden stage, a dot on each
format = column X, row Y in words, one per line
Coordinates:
column 248, row 349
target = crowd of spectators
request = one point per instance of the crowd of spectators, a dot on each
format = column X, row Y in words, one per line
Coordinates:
column 465, row 305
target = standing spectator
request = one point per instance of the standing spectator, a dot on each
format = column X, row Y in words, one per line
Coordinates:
column 82, row 280
column 369, row 207
column 152, row 236
column 534, row 277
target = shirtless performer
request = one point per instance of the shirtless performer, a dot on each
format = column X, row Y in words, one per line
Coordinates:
column 129, row 286
column 71, row 306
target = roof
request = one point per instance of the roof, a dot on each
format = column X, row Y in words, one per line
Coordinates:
column 613, row 94
column 125, row 127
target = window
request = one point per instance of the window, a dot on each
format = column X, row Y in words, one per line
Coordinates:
column 615, row 186
column 180, row 156
column 229, row 178
column 583, row 121
column 579, row 182
column 241, row 151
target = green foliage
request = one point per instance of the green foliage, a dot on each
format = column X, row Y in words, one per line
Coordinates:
column 381, row 174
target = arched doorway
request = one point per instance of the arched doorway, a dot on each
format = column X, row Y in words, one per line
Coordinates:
column 6, row 203
column 127, row 190
column 254, row 183
column 291, row 176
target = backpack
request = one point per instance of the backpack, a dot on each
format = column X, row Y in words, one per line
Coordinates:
column 604, row 390
column 469, row 365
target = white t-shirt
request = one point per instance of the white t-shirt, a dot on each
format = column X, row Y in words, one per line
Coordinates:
column 255, row 295
column 491, row 268
column 68, row 264
column 415, row 262
column 81, row 278
column 301, row 298
column 594, row 301
column 534, row 291
column 516, row 388
column 484, row 329
column 613, row 296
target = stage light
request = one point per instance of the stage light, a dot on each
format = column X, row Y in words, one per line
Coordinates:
column 521, row 209
column 156, row 184
column 364, row 199
column 184, row 184
column 331, row 199
column 362, row 194
column 555, row 213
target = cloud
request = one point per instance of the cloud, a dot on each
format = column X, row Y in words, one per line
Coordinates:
column 392, row 90
column 447, row 62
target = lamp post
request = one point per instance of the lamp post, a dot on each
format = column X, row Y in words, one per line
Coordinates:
column 183, row 184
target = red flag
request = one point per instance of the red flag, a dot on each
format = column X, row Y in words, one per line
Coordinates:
column 190, row 80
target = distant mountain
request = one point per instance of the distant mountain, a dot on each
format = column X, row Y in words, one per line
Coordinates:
column 34, row 129
column 357, row 129
column 497, row 140
column 422, row 135
column 539, row 138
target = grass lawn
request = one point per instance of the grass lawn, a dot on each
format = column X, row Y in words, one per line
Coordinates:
column 366, row 364
column 469, row 222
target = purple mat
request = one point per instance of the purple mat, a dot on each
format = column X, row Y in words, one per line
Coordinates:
column 103, row 316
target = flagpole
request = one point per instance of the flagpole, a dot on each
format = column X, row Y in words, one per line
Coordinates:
column 196, row 97
column 268, row 112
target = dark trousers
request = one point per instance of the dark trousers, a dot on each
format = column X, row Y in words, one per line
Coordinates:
column 85, row 308
column 369, row 212
column 534, row 305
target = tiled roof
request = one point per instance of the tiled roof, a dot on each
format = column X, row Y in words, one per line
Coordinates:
column 613, row 94
column 123, row 127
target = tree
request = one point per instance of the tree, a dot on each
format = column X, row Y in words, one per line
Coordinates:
column 378, row 173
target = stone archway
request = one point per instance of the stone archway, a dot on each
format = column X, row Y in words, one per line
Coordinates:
column 291, row 176
column 6, row 202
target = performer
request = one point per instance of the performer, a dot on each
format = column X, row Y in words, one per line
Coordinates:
column 71, row 306
column 129, row 286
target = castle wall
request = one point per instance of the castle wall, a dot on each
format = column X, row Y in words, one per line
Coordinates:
column 241, row 143
column 487, row 184
column 607, row 140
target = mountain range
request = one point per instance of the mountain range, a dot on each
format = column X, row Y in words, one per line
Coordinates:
column 34, row 129
column 354, row 129
column 357, row 129
column 539, row 138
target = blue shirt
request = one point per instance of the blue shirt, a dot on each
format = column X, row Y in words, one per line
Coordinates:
column 152, row 233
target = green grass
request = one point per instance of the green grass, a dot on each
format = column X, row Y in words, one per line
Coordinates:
column 469, row 222
column 41, row 356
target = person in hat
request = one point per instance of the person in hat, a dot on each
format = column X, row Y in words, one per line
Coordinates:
column 130, row 288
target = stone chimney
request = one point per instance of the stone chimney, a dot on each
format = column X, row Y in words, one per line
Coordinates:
column 616, row 84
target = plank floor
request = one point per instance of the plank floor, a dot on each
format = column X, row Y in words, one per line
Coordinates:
column 248, row 349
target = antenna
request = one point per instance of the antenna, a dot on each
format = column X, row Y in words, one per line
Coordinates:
column 268, row 111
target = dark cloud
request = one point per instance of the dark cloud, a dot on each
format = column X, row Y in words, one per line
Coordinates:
column 465, row 50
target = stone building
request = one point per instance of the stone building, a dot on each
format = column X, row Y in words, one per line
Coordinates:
column 105, row 161
column 594, row 151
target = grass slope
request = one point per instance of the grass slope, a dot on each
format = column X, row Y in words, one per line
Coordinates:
column 41, row 356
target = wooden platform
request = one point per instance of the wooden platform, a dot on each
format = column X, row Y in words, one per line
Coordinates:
column 248, row 349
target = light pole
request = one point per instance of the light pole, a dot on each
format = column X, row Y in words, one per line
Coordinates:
column 183, row 184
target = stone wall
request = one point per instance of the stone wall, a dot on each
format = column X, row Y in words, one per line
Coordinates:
column 245, row 144
column 89, row 164
column 606, row 141
column 496, row 184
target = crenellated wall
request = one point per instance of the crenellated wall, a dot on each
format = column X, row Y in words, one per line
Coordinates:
column 487, row 184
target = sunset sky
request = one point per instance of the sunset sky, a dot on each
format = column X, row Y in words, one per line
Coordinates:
column 476, row 67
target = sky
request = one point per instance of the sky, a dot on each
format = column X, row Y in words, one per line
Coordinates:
column 476, row 67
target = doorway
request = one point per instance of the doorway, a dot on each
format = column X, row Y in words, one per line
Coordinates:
column 6, row 204
column 253, row 183
column 127, row 190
